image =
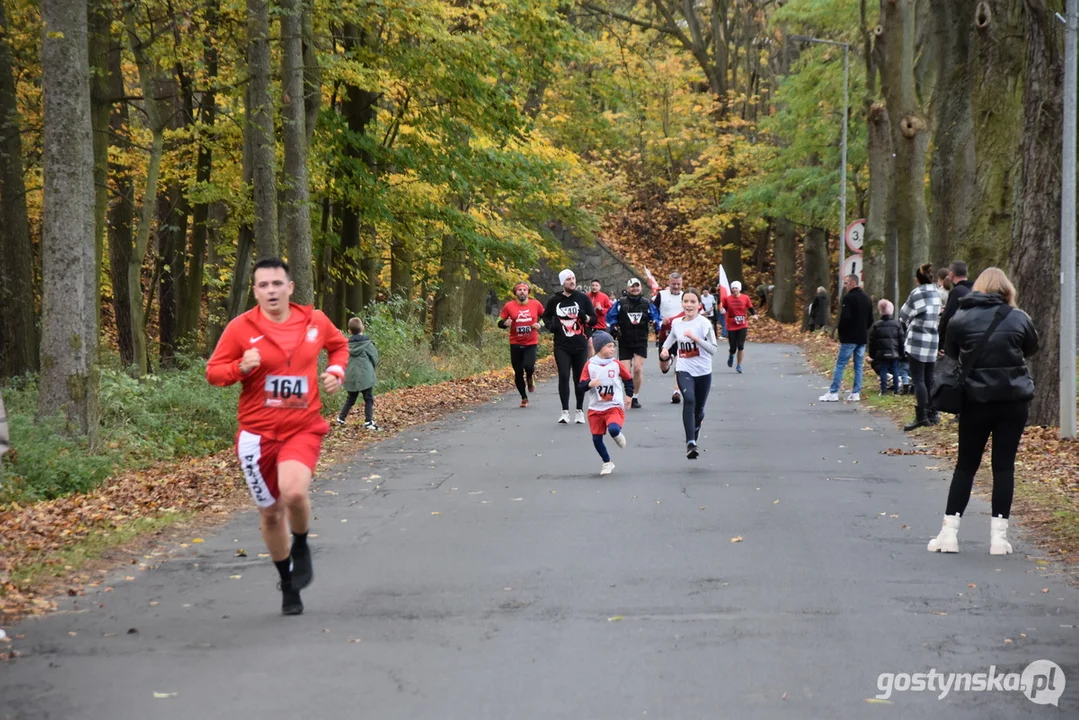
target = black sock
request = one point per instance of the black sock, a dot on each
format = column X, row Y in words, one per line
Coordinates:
column 299, row 539
column 284, row 569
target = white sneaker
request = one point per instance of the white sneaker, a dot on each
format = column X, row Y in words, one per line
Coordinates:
column 829, row 397
column 607, row 469
column 854, row 397
column 564, row 418
column 998, row 536
column 579, row 420
column 620, row 440
column 948, row 539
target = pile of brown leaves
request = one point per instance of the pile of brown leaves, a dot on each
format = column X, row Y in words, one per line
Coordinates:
column 208, row 487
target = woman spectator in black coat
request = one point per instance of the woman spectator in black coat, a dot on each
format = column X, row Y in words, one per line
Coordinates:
column 996, row 398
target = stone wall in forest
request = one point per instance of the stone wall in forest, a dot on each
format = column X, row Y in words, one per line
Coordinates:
column 588, row 259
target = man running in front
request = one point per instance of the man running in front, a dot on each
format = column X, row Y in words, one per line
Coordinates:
column 273, row 350
column 631, row 317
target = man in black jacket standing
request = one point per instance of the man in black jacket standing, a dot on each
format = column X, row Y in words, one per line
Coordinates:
column 961, row 287
column 567, row 315
column 855, row 319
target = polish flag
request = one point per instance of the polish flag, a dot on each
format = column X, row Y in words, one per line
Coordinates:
column 652, row 281
column 724, row 287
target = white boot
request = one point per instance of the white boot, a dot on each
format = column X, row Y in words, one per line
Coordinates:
column 948, row 539
column 998, row 536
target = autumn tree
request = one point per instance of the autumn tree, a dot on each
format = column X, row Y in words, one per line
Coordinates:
column 69, row 311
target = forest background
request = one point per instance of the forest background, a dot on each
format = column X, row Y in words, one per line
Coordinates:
column 410, row 157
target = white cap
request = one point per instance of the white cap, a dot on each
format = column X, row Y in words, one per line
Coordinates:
column 565, row 275
column 736, row 285
column 632, row 282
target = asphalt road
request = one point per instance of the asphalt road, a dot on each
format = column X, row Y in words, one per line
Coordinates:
column 479, row 567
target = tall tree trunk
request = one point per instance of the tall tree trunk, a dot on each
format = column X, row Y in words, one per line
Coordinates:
column 450, row 296
column 297, row 225
column 474, row 305
column 997, row 68
column 877, row 251
column 99, row 16
column 260, row 131
column 312, row 74
column 952, row 174
column 190, row 306
column 146, row 216
column 121, row 214
column 1035, row 257
column 781, row 305
column 246, row 244
column 358, row 236
column 347, row 261
column 19, row 342
column 68, row 313
column 910, row 136
column 400, row 268
column 732, row 251
column 816, row 268
column 369, row 269
column 172, row 218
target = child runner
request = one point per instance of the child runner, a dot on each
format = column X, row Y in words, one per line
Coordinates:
column 696, row 345
column 360, row 374
column 610, row 386
column 522, row 317
column 739, row 307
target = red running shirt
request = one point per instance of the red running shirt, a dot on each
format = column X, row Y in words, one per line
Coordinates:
column 522, row 318
column 280, row 397
column 601, row 301
column 737, row 307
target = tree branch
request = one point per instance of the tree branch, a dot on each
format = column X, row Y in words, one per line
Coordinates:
column 667, row 30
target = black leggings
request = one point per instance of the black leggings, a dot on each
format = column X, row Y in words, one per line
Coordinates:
column 570, row 365
column 921, row 375
column 1005, row 422
column 523, row 360
column 694, row 396
column 368, row 404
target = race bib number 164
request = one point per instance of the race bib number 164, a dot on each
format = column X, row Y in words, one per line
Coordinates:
column 286, row 391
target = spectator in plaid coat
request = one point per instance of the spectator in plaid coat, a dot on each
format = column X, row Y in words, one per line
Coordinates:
column 921, row 314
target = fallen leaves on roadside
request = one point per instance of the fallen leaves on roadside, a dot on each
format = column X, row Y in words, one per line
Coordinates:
column 737, row 539
column 210, row 485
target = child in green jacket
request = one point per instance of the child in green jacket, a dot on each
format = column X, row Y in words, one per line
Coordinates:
column 360, row 375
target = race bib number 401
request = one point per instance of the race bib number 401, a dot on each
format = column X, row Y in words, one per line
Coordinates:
column 286, row 391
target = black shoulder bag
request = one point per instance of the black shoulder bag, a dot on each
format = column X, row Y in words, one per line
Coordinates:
column 949, row 390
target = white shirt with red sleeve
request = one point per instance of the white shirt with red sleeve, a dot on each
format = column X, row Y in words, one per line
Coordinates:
column 281, row 396
column 610, row 393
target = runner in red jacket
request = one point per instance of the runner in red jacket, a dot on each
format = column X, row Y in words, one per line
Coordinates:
column 273, row 350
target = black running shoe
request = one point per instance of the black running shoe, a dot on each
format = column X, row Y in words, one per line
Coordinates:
column 676, row 398
column 291, row 604
column 635, row 404
column 302, row 572
column 691, row 451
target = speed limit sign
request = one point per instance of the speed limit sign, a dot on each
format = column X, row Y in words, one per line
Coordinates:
column 856, row 235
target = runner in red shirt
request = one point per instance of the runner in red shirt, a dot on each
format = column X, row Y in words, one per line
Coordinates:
column 739, row 307
column 602, row 302
column 273, row 350
column 522, row 317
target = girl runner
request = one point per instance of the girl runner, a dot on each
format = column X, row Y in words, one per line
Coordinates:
column 610, row 387
column 696, row 345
